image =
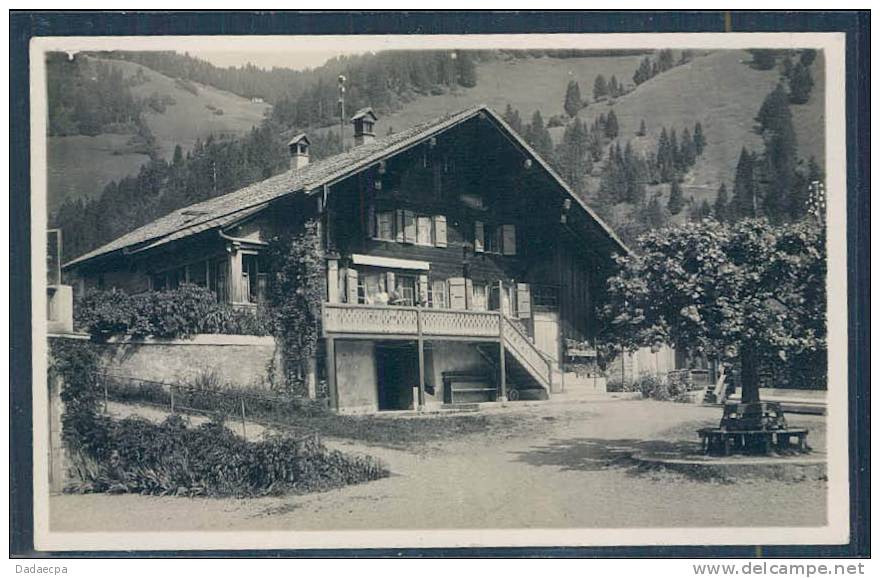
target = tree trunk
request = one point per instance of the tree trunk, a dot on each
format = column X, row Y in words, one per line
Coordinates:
column 749, row 373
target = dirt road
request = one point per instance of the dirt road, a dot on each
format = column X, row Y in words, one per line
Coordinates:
column 560, row 472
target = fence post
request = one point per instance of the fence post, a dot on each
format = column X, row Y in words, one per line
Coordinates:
column 243, row 427
column 171, row 389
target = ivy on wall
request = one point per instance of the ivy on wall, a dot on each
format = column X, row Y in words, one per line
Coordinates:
column 295, row 294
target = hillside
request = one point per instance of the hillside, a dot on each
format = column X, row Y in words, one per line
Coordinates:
column 718, row 89
column 80, row 166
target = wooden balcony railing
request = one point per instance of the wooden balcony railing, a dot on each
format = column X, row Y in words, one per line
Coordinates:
column 394, row 320
column 380, row 320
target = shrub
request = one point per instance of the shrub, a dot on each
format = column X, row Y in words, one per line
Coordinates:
column 655, row 387
column 180, row 312
column 615, row 384
column 170, row 458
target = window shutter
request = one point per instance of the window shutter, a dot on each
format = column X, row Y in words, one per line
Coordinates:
column 351, row 285
column 479, row 237
column 456, row 293
column 371, row 221
column 523, row 300
column 332, row 281
column 508, row 239
column 398, row 215
column 423, row 290
column 409, row 227
column 440, row 230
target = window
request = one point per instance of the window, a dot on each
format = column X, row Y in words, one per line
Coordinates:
column 545, row 296
column 499, row 239
column 425, row 230
column 405, row 291
column 217, row 279
column 404, row 226
column 437, row 294
column 385, row 225
column 480, row 297
column 254, row 278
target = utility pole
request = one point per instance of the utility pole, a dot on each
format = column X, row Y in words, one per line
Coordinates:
column 341, row 81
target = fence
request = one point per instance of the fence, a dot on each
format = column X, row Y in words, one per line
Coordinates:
column 212, row 400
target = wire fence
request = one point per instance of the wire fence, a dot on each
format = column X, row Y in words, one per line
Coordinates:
column 283, row 412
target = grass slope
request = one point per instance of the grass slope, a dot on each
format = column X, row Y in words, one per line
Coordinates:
column 80, row 166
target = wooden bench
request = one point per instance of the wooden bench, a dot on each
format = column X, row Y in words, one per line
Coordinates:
column 726, row 440
column 467, row 384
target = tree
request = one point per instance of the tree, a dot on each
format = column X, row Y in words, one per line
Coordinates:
column 511, row 117
column 780, row 153
column 745, row 196
column 600, row 87
column 676, row 199
column 800, row 84
column 613, row 88
column 763, row 59
column 538, row 136
column 808, row 55
column 467, row 69
column 747, row 292
column 722, row 203
column 612, row 129
column 699, row 138
column 573, row 101
column 642, row 130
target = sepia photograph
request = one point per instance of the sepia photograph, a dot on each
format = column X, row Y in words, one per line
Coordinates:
column 438, row 291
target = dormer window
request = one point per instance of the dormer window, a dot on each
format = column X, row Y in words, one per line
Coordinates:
column 363, row 121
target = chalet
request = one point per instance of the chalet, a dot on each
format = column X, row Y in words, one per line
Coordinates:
column 457, row 263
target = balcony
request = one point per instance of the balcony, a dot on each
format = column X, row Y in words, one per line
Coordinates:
column 409, row 322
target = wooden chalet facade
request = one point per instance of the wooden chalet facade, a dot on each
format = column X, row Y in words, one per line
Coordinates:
column 457, row 262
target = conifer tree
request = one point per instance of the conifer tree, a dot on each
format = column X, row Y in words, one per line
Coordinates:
column 800, row 84
column 511, row 117
column 600, row 87
column 744, row 203
column 699, row 138
column 676, row 198
column 612, row 129
column 572, row 98
column 613, row 88
column 642, row 130
column 780, row 152
column 721, row 208
column 539, row 137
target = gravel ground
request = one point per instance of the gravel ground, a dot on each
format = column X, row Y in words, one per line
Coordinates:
column 557, row 467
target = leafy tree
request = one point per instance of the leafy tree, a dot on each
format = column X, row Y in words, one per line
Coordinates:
column 600, row 87
column 612, row 129
column 572, row 99
column 676, row 199
column 749, row 292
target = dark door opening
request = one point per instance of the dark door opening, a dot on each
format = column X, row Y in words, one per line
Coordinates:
column 397, row 372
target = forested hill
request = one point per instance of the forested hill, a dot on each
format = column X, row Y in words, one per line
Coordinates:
column 636, row 134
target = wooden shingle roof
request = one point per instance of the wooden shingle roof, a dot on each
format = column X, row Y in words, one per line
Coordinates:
column 226, row 209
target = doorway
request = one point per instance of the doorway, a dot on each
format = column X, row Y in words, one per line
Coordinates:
column 397, row 372
column 547, row 337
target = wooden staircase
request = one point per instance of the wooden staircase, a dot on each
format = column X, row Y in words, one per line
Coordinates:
column 528, row 372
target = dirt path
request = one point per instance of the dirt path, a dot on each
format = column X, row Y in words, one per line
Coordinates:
column 562, row 472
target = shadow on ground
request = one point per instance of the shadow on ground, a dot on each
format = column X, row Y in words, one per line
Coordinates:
column 595, row 454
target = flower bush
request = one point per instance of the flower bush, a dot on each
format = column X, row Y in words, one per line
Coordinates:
column 181, row 312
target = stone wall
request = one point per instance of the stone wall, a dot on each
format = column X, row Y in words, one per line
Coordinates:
column 238, row 360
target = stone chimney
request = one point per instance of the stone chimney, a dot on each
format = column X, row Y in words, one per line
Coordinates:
column 363, row 122
column 299, row 151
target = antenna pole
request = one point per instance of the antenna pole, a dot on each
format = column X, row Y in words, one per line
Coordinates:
column 341, row 81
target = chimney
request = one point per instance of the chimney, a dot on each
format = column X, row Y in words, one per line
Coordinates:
column 299, row 151
column 363, row 122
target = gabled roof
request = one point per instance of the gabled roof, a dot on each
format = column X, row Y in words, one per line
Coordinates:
column 227, row 209
column 300, row 137
column 364, row 112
